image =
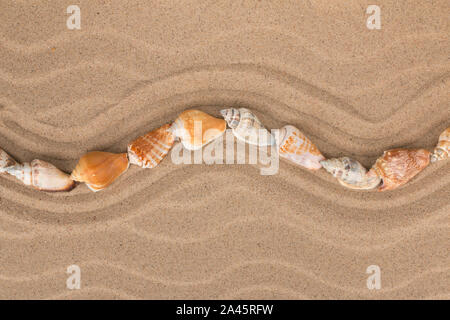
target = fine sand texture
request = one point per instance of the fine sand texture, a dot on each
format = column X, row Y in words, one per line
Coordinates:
column 224, row 231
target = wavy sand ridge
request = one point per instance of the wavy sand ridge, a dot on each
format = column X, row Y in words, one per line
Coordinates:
column 202, row 231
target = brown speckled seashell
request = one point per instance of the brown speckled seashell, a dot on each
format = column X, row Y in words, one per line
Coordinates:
column 148, row 150
column 442, row 150
column 208, row 128
column 397, row 166
column 42, row 176
column 99, row 169
column 6, row 161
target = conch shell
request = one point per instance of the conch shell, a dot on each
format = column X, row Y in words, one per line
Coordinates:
column 442, row 150
column 247, row 127
column 397, row 166
column 351, row 174
column 196, row 128
column 42, row 176
column 99, row 169
column 148, row 150
column 6, row 161
column 294, row 146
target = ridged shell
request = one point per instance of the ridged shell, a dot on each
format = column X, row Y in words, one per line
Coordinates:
column 351, row 174
column 442, row 150
column 148, row 150
column 196, row 128
column 397, row 166
column 247, row 127
column 6, row 161
column 42, row 176
column 232, row 116
column 294, row 146
column 99, row 169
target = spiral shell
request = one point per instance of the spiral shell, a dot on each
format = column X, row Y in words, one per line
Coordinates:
column 196, row 128
column 42, row 176
column 442, row 150
column 351, row 174
column 247, row 127
column 294, row 146
column 148, row 150
column 99, row 169
column 6, row 161
column 397, row 166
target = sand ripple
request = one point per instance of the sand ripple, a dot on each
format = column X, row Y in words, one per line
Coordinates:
column 199, row 232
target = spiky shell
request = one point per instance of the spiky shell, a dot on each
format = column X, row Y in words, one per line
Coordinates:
column 6, row 161
column 351, row 174
column 148, row 150
column 99, row 169
column 42, row 176
column 442, row 150
column 196, row 128
column 247, row 127
column 294, row 146
column 397, row 166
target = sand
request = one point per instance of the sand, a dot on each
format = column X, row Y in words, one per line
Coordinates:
column 224, row 231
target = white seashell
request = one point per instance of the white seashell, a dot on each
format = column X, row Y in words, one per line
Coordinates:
column 442, row 150
column 42, row 176
column 351, row 174
column 247, row 127
column 294, row 146
column 6, row 161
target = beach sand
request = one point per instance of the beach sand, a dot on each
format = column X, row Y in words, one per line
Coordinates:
column 224, row 231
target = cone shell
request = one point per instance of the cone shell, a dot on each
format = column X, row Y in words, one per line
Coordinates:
column 6, row 161
column 294, row 146
column 247, row 127
column 208, row 128
column 397, row 166
column 351, row 174
column 148, row 150
column 42, row 176
column 442, row 150
column 99, row 169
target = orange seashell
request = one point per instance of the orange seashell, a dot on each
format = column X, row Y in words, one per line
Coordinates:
column 148, row 150
column 397, row 166
column 196, row 128
column 296, row 147
column 6, row 161
column 42, row 176
column 99, row 169
column 442, row 150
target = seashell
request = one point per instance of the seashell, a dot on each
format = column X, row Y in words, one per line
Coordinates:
column 99, row 169
column 6, row 161
column 148, row 150
column 42, row 176
column 351, row 174
column 196, row 128
column 294, row 146
column 397, row 166
column 247, row 127
column 442, row 150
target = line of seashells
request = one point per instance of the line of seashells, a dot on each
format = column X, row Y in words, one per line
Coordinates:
column 99, row 169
